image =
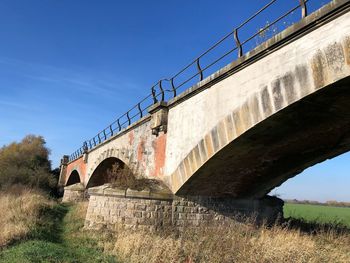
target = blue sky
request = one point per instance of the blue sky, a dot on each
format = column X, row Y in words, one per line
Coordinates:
column 69, row 68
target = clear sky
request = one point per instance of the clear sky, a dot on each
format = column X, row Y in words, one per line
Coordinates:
column 69, row 68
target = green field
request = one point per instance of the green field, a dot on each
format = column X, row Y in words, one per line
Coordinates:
column 318, row 213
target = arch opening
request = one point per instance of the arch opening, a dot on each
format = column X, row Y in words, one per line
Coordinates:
column 74, row 178
column 114, row 171
column 326, row 182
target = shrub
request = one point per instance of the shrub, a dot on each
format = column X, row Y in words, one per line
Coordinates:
column 26, row 163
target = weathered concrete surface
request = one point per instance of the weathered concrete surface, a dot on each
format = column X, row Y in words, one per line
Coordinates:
column 112, row 208
column 251, row 131
column 136, row 147
column 250, row 126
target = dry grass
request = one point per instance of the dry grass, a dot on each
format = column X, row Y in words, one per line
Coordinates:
column 244, row 242
column 240, row 243
column 21, row 208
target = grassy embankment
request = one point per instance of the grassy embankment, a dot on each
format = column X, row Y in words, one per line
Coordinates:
column 37, row 229
column 44, row 231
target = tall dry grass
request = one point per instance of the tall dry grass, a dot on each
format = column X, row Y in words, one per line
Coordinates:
column 241, row 243
column 20, row 212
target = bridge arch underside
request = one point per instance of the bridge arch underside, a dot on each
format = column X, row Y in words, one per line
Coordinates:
column 110, row 170
column 306, row 132
column 73, row 178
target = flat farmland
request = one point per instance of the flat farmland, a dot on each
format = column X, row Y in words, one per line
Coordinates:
column 318, row 213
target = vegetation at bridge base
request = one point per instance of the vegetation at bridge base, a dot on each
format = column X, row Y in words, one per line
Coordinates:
column 37, row 229
column 58, row 236
column 294, row 241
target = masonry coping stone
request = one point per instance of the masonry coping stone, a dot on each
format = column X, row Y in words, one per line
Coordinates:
column 75, row 187
column 114, row 191
column 135, row 193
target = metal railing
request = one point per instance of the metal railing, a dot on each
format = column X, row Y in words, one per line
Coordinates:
column 159, row 92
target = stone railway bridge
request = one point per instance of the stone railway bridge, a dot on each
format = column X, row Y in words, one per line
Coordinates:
column 224, row 144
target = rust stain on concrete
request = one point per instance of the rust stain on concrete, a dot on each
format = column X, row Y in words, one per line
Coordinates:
column 140, row 150
column 346, row 46
column 319, row 71
column 159, row 146
column 131, row 137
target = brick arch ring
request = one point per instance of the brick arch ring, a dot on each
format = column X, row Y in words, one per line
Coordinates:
column 75, row 168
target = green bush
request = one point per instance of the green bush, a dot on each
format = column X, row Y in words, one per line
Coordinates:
column 27, row 163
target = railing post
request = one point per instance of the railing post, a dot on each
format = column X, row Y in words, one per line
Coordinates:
column 85, row 152
column 173, row 87
column 127, row 115
column 85, row 147
column 111, row 130
column 161, row 89
column 238, row 43
column 154, row 95
column 119, row 126
column 303, row 8
column 139, row 108
column 104, row 134
column 199, row 70
column 94, row 141
column 99, row 138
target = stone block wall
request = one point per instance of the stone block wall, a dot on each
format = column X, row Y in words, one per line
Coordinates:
column 196, row 211
column 74, row 193
column 110, row 211
column 114, row 207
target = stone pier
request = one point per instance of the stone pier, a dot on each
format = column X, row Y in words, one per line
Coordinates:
column 74, row 193
column 111, row 207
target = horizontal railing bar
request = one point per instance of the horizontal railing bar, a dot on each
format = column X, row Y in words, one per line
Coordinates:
column 271, row 24
column 256, row 14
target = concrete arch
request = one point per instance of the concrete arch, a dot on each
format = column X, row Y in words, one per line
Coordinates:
column 225, row 132
column 272, row 136
column 73, row 178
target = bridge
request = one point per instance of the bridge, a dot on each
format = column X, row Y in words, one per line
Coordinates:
column 236, row 132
